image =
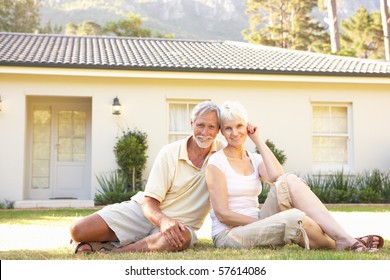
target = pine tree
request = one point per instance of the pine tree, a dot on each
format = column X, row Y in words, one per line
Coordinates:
column 19, row 16
column 286, row 24
column 363, row 34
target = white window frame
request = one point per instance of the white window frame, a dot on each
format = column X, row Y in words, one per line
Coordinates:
column 332, row 167
column 187, row 102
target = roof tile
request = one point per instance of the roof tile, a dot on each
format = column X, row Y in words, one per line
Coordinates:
column 180, row 55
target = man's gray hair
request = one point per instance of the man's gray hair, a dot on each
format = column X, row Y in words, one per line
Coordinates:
column 205, row 107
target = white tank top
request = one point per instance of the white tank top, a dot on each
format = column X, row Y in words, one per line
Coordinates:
column 242, row 190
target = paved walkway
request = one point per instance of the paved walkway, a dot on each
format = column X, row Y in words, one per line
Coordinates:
column 31, row 237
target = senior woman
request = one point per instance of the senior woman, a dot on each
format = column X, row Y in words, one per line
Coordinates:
column 292, row 213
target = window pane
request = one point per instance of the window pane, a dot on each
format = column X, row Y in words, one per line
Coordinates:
column 41, row 168
column 79, row 147
column 330, row 134
column 79, row 127
column 190, row 108
column 41, row 147
column 40, row 183
column 71, row 136
column 64, row 149
column 65, row 124
column 41, row 150
column 321, row 119
column 339, row 120
column 179, row 120
column 330, row 150
column 178, row 117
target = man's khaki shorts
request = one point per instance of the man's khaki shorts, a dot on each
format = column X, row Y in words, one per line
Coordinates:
column 279, row 224
column 129, row 223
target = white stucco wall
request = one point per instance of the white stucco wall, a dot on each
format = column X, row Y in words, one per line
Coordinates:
column 12, row 142
column 281, row 107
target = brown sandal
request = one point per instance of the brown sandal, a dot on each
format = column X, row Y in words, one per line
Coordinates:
column 95, row 247
column 357, row 247
column 370, row 241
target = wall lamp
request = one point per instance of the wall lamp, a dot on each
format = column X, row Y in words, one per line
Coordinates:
column 116, row 106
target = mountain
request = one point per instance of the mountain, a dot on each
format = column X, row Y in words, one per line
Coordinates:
column 189, row 19
column 186, row 19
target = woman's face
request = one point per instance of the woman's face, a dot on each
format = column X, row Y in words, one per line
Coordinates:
column 235, row 131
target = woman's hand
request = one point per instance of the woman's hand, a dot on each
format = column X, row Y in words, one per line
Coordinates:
column 253, row 133
column 270, row 169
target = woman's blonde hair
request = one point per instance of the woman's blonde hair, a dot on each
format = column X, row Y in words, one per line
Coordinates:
column 231, row 110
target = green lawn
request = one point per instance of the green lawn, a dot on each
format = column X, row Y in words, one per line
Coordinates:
column 202, row 251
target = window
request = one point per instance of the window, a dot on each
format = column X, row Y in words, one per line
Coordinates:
column 71, row 135
column 41, row 146
column 331, row 134
column 179, row 119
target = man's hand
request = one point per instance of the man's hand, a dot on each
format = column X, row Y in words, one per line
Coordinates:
column 172, row 230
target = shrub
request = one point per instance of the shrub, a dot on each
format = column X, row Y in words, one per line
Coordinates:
column 7, row 204
column 130, row 153
column 114, row 189
column 281, row 157
column 263, row 195
column 279, row 154
column 386, row 187
column 367, row 187
column 334, row 188
column 370, row 186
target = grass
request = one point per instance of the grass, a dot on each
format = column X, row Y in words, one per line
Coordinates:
column 43, row 217
column 204, row 250
column 358, row 207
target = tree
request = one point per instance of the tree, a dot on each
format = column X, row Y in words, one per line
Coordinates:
column 362, row 35
column 86, row 28
column 377, row 33
column 129, row 27
column 386, row 28
column 285, row 23
column 19, row 16
column 50, row 29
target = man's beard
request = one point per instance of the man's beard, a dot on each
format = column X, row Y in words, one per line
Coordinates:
column 204, row 142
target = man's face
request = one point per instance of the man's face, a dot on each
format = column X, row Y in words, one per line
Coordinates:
column 205, row 129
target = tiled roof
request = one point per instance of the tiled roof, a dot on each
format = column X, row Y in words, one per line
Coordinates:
column 175, row 55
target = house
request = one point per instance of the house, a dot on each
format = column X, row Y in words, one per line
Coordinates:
column 58, row 129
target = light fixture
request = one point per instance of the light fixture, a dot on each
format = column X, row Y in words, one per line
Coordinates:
column 116, row 107
column 0, row 104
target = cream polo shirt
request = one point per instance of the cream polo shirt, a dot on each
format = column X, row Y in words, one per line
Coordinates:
column 178, row 185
